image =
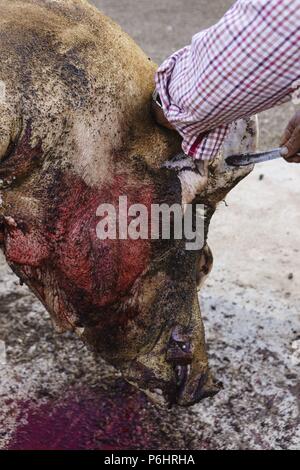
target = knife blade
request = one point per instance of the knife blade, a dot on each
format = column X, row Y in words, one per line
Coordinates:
column 253, row 158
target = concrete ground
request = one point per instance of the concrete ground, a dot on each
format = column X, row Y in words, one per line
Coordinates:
column 54, row 394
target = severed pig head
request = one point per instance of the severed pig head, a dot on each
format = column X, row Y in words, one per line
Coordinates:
column 76, row 132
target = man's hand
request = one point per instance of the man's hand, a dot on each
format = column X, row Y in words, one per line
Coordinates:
column 291, row 140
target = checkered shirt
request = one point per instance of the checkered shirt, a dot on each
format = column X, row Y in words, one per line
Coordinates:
column 246, row 63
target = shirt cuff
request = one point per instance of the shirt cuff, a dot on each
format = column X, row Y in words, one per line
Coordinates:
column 205, row 146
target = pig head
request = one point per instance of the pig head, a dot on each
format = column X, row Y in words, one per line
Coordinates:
column 75, row 132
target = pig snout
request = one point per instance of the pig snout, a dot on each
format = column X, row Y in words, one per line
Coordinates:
column 193, row 389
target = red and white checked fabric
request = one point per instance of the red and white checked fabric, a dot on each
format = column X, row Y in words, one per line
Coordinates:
column 246, row 63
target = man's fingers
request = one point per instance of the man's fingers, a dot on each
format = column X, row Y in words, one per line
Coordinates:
column 287, row 133
column 294, row 159
column 290, row 141
column 293, row 143
column 293, row 123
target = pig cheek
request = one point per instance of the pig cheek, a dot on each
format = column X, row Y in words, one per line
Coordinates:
column 103, row 268
column 86, row 262
column 100, row 266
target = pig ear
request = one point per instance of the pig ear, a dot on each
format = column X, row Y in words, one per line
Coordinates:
column 192, row 182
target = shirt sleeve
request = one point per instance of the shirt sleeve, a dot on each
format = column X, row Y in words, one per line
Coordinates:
column 246, row 63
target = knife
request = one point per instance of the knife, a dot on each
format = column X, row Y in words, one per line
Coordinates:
column 252, row 158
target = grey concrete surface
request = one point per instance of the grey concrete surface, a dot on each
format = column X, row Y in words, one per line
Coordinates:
column 250, row 304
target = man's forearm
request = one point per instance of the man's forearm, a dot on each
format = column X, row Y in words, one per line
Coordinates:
column 246, row 63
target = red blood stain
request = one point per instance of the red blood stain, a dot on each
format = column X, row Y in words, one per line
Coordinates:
column 107, row 266
column 87, row 419
column 91, row 273
column 27, row 248
column 23, row 247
